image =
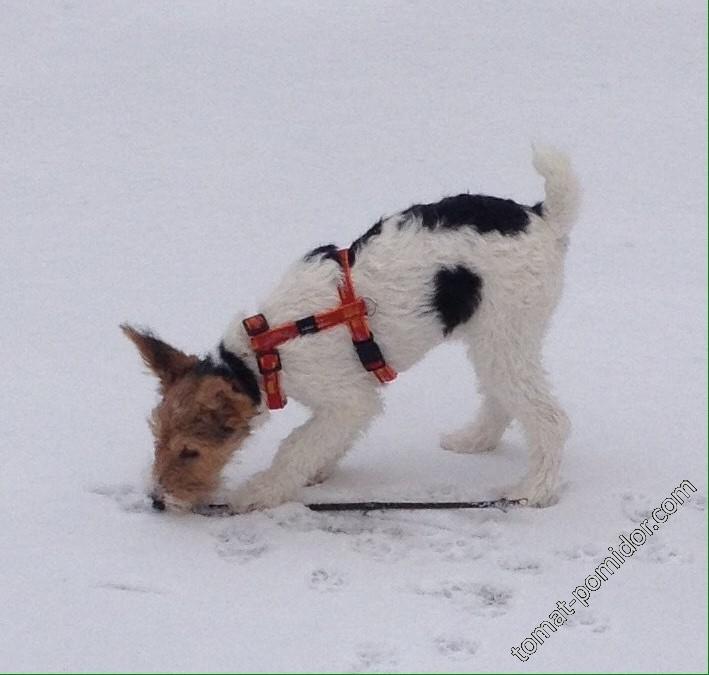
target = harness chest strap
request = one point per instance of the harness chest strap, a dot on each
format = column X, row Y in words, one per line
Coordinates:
column 351, row 311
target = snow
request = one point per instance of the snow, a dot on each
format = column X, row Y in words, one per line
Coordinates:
column 162, row 162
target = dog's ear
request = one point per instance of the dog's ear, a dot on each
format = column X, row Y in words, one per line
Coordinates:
column 166, row 362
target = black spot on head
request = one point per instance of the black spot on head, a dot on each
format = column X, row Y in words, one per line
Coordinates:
column 328, row 252
column 485, row 214
column 232, row 368
column 456, row 295
column 357, row 244
column 207, row 366
column 242, row 373
column 538, row 208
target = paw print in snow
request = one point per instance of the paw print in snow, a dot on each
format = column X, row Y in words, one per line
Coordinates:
column 584, row 618
column 482, row 599
column 325, row 581
column 375, row 657
column 637, row 507
column 456, row 648
column 128, row 497
column 459, row 550
column 580, row 552
column 240, row 544
column 521, row 565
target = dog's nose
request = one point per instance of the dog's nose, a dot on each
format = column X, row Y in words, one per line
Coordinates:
column 158, row 502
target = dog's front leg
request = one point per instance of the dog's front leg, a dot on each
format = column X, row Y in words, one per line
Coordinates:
column 306, row 454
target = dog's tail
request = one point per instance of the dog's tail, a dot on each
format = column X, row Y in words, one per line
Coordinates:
column 562, row 194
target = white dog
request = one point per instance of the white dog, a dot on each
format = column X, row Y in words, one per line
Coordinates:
column 483, row 270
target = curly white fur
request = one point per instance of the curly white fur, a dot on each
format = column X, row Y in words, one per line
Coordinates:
column 522, row 282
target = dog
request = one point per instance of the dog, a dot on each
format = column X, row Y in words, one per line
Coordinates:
column 484, row 270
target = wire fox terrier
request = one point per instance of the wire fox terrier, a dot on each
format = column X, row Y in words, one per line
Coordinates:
column 484, row 270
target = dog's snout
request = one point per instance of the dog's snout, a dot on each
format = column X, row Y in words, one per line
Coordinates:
column 158, row 502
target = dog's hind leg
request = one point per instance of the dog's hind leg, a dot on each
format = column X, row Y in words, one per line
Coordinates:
column 484, row 432
column 519, row 383
column 310, row 452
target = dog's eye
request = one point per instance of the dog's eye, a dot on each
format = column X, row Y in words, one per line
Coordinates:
column 189, row 453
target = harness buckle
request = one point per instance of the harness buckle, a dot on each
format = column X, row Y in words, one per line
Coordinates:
column 369, row 354
column 255, row 325
column 307, row 325
column 268, row 362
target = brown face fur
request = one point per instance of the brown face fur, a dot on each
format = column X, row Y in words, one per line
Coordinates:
column 200, row 421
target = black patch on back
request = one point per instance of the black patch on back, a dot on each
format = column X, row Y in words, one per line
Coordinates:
column 328, row 251
column 357, row 244
column 538, row 208
column 232, row 368
column 485, row 214
column 456, row 295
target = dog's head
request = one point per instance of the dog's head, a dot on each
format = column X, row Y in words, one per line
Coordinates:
column 202, row 418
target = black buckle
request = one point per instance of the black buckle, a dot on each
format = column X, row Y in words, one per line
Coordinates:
column 369, row 354
column 307, row 325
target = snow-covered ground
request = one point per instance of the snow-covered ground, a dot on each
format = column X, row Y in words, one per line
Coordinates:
column 161, row 162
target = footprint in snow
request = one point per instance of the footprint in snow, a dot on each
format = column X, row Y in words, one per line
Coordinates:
column 661, row 552
column 326, row 581
column 585, row 618
column 380, row 547
column 355, row 524
column 482, row 599
column 387, row 538
column 521, row 565
column 128, row 497
column 652, row 551
column 455, row 648
column 299, row 518
column 374, row 657
column 460, row 549
column 580, row 552
column 241, row 544
column 637, row 507
column 295, row 517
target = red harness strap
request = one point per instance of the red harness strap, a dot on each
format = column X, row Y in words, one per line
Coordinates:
column 352, row 311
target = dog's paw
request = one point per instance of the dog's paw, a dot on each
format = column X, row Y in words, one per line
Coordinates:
column 532, row 493
column 321, row 476
column 263, row 491
column 466, row 442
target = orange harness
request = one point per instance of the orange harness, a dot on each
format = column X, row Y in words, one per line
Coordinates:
column 352, row 311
